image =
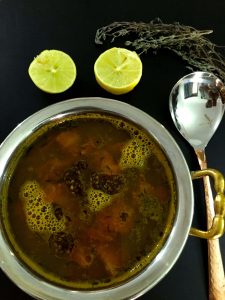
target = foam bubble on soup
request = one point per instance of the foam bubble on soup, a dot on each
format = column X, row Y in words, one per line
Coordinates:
column 39, row 214
column 134, row 153
column 97, row 199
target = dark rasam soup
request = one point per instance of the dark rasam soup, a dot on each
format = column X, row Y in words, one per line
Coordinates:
column 91, row 201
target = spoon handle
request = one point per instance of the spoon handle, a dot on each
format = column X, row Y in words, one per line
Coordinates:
column 215, row 263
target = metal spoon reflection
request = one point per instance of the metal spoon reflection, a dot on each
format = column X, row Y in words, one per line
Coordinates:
column 197, row 103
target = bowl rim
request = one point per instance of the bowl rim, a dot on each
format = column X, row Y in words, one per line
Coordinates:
column 173, row 247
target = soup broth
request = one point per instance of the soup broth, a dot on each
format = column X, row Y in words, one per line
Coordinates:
column 90, row 202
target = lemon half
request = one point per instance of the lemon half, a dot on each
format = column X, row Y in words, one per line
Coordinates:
column 53, row 71
column 118, row 70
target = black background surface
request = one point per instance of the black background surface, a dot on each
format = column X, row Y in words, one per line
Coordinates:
column 28, row 26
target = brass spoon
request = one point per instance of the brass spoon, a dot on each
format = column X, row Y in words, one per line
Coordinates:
column 197, row 105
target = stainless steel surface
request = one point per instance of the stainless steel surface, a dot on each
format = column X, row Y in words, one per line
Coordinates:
column 166, row 258
column 197, row 106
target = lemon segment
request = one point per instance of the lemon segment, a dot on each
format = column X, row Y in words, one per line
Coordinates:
column 53, row 71
column 118, row 70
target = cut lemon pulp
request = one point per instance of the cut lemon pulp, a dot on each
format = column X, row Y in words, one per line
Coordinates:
column 53, row 71
column 118, row 70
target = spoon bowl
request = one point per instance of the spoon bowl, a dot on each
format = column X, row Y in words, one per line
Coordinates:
column 197, row 107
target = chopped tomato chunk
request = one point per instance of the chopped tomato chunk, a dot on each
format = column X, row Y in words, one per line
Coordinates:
column 82, row 255
column 113, row 257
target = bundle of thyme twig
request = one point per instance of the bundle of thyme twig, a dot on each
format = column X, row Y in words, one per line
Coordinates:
column 187, row 42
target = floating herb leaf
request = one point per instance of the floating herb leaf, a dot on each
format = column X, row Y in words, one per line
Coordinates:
column 186, row 41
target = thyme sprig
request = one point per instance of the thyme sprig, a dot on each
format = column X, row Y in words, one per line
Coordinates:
column 186, row 41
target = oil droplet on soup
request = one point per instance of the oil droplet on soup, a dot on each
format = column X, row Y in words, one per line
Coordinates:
column 91, row 202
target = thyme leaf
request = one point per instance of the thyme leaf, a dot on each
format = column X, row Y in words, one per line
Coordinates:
column 186, row 41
